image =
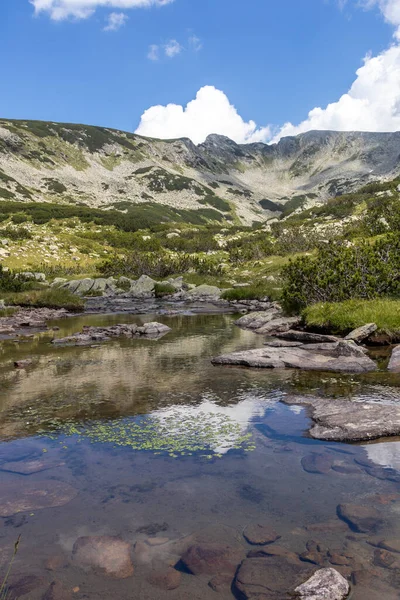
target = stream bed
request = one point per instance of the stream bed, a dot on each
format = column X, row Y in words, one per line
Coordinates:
column 116, row 459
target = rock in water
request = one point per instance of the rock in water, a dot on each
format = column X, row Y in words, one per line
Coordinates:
column 307, row 337
column 340, row 356
column 344, row 420
column 57, row 591
column 212, row 559
column 267, row 578
column 104, row 554
column 325, row 584
column 259, row 534
column 361, row 333
column 21, row 496
column 167, row 579
column 394, row 363
column 361, row 519
column 316, row 463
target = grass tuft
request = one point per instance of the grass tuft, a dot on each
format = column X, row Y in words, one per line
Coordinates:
column 341, row 317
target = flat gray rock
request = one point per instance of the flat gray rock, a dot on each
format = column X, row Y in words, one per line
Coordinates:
column 325, row 584
column 394, row 363
column 361, row 333
column 347, row 421
column 306, row 336
column 339, row 356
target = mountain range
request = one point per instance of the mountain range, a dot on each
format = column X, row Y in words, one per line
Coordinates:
column 105, row 168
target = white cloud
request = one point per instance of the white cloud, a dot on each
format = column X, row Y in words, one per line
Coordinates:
column 172, row 49
column 371, row 104
column 154, row 52
column 390, row 10
column 82, row 9
column 195, row 43
column 115, row 21
column 210, row 112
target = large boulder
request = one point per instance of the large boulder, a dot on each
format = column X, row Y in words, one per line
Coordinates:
column 104, row 554
column 82, row 287
column 394, row 363
column 325, row 584
column 338, row 356
column 362, row 333
column 204, row 292
column 143, row 287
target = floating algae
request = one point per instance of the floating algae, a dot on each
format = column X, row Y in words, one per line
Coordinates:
column 205, row 434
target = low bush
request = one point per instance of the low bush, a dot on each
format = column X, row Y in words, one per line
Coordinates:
column 370, row 269
column 9, row 282
column 341, row 317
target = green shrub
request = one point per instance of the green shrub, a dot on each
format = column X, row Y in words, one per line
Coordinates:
column 16, row 234
column 340, row 272
column 9, row 282
column 19, row 217
column 164, row 289
column 48, row 298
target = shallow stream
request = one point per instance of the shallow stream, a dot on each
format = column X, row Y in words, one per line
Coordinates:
column 146, row 440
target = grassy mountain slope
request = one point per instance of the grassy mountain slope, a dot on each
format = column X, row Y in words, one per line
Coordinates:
column 104, row 168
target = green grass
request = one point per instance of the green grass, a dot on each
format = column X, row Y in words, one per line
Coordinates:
column 341, row 317
column 49, row 298
column 164, row 289
column 7, row 312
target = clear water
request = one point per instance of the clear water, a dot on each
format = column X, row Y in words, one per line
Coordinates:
column 247, row 470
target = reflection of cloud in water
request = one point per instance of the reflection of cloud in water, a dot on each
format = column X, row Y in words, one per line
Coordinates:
column 252, row 404
column 386, row 454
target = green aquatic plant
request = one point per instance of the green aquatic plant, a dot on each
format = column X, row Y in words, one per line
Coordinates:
column 174, row 434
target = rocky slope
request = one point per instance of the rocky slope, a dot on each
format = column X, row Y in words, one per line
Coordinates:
column 43, row 161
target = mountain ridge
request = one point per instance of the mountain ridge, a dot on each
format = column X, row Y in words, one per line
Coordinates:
column 108, row 168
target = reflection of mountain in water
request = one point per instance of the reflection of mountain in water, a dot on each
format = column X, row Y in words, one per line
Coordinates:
column 123, row 377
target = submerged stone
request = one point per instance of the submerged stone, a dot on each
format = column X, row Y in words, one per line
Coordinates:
column 268, row 578
column 212, row 558
column 260, row 534
column 316, row 463
column 29, row 467
column 361, row 519
column 167, row 579
column 104, row 554
column 16, row 497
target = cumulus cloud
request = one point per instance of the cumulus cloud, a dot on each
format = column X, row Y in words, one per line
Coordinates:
column 373, row 101
column 172, row 48
column 371, row 104
column 82, row 9
column 210, row 112
column 115, row 21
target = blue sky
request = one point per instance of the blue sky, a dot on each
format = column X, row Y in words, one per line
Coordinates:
column 106, row 62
